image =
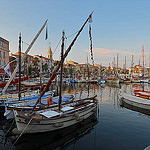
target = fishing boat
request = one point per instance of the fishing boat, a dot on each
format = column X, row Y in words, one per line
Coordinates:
column 144, row 80
column 54, row 139
column 52, row 119
column 142, row 94
column 134, row 108
column 28, row 104
column 101, row 81
column 60, row 116
column 2, row 85
column 113, row 80
column 127, row 80
column 135, row 80
column 135, row 101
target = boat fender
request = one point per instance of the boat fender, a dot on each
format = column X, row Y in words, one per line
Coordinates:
column 49, row 101
column 15, row 131
column 78, row 118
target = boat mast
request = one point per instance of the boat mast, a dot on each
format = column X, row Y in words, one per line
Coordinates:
column 41, row 76
column 143, row 58
column 61, row 70
column 149, row 63
column 132, row 66
column 19, row 92
column 125, row 66
column 117, row 64
column 61, row 61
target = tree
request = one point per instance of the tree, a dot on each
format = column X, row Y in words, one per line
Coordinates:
column 35, row 62
column 65, row 70
column 45, row 67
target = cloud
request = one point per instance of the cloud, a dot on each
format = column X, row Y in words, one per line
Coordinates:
column 101, row 51
column 106, row 56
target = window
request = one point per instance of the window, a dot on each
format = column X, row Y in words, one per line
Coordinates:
column 0, row 62
column 0, row 43
column 0, row 54
column 4, row 44
column 4, row 55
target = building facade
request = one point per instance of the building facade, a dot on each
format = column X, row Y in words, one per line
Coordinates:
column 4, row 51
column 28, row 61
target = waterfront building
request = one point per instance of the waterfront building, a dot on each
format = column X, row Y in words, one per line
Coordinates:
column 28, row 61
column 4, row 51
column 14, row 63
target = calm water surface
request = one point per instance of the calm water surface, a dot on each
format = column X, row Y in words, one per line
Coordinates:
column 115, row 127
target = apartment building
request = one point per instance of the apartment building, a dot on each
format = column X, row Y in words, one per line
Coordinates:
column 4, row 51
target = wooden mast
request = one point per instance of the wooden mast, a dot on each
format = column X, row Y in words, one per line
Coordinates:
column 149, row 63
column 132, row 66
column 19, row 92
column 125, row 65
column 61, row 70
column 143, row 58
column 41, row 77
column 117, row 64
column 61, row 61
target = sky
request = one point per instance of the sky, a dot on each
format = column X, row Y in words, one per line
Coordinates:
column 119, row 26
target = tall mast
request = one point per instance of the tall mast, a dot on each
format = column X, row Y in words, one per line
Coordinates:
column 114, row 67
column 117, row 64
column 132, row 62
column 41, row 76
column 61, row 69
column 149, row 63
column 19, row 92
column 143, row 58
column 125, row 65
column 132, row 65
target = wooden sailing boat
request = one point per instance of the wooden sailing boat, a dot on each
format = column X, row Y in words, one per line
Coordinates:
column 27, row 101
column 55, row 118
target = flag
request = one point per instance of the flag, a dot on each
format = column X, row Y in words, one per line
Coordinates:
column 7, row 69
column 90, row 30
column 90, row 18
column 46, row 36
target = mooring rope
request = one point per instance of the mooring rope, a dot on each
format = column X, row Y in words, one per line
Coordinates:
column 21, row 133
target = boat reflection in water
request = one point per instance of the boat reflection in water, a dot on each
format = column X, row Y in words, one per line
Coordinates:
column 134, row 108
column 52, row 140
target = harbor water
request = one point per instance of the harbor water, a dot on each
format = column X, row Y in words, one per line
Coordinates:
column 112, row 127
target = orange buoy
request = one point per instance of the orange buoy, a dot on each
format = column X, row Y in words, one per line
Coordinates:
column 49, row 101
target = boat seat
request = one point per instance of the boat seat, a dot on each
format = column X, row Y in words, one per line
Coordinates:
column 50, row 113
column 67, row 108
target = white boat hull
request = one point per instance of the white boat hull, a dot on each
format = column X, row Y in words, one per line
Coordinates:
column 135, row 101
column 51, row 124
column 145, row 81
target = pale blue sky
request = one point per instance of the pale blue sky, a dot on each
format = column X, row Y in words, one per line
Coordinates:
column 119, row 26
